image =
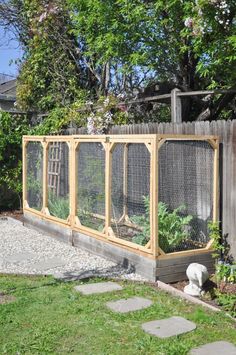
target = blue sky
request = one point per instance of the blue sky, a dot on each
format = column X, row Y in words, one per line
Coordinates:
column 9, row 50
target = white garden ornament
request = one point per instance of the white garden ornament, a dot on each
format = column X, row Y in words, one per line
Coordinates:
column 197, row 275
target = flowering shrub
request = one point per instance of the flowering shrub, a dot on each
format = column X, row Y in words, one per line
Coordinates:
column 104, row 115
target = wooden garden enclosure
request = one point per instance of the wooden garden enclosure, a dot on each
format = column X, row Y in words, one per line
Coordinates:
column 139, row 199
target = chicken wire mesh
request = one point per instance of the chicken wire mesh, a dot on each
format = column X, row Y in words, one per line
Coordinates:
column 91, row 185
column 34, row 184
column 185, row 194
column 58, row 180
column 130, row 193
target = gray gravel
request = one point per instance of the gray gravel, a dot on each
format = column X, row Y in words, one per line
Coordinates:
column 25, row 251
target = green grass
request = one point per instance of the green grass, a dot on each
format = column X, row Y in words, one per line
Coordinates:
column 49, row 317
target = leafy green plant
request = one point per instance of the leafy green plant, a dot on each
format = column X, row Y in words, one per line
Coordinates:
column 59, row 206
column 12, row 127
column 225, row 269
column 226, row 272
column 172, row 226
column 215, row 235
column 228, row 302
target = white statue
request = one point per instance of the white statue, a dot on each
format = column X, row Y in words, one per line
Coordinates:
column 197, row 275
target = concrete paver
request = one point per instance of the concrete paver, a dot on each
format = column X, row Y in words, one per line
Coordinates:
column 216, row 348
column 129, row 305
column 99, row 287
column 165, row 328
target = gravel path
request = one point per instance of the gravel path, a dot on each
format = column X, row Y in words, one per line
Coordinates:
column 25, row 251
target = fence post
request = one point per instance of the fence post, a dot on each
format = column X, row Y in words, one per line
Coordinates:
column 45, row 178
column 176, row 107
column 154, row 197
column 73, row 182
column 24, row 171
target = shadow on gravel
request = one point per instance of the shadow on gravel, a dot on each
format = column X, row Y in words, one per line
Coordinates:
column 85, row 275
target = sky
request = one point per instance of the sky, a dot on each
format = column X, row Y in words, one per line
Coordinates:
column 9, row 50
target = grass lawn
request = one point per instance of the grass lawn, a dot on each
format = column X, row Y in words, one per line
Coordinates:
column 49, row 317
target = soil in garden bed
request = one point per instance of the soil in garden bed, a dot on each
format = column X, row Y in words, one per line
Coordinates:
column 211, row 289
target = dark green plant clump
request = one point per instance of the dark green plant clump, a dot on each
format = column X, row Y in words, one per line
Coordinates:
column 172, row 226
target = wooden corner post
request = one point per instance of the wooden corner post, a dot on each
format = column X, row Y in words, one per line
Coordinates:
column 45, row 177
column 216, row 183
column 154, row 197
column 24, row 172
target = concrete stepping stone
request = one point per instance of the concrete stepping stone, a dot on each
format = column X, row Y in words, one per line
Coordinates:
column 99, row 287
column 216, row 348
column 165, row 328
column 129, row 304
column 48, row 264
column 18, row 257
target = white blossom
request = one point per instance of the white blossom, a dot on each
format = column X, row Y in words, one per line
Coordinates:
column 188, row 22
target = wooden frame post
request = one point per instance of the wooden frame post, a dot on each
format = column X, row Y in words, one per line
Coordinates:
column 154, row 198
column 72, row 180
column 125, row 180
column 216, row 183
column 24, row 173
column 108, row 166
column 45, row 178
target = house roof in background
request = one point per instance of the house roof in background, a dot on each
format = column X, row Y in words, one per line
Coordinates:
column 8, row 88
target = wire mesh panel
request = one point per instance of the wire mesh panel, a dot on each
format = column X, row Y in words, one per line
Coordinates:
column 130, row 193
column 34, row 193
column 185, row 186
column 91, row 185
column 58, row 180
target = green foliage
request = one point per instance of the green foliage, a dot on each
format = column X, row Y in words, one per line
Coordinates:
column 12, row 127
column 215, row 235
column 135, row 36
column 172, row 225
column 226, row 272
column 227, row 302
column 50, row 75
column 35, row 189
column 225, row 269
column 58, row 206
column 91, row 191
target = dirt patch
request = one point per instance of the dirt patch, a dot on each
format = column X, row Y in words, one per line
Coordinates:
column 17, row 214
column 212, row 292
column 227, row 288
column 6, row 298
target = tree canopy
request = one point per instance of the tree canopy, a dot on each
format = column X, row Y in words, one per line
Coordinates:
column 120, row 46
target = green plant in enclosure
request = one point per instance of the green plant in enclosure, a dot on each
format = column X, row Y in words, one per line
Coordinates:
column 58, row 206
column 91, row 193
column 171, row 226
column 35, row 191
